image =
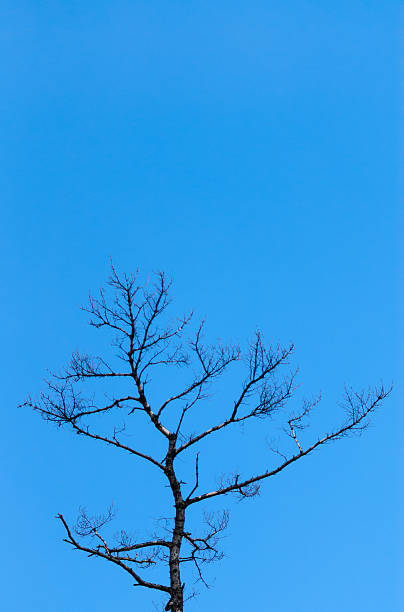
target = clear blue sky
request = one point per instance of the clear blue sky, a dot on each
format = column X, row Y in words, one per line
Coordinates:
column 250, row 149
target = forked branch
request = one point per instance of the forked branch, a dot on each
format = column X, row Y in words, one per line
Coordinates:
column 110, row 555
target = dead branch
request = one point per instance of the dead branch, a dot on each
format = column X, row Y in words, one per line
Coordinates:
column 358, row 406
column 109, row 557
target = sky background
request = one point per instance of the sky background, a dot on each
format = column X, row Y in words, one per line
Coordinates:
column 251, row 150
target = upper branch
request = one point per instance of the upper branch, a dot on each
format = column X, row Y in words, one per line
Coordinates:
column 62, row 405
column 268, row 393
column 145, row 343
column 133, row 312
column 83, row 366
column 212, row 361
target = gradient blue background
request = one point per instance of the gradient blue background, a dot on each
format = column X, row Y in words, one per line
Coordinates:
column 251, row 149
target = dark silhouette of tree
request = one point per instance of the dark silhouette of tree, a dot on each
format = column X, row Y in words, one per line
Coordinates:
column 143, row 342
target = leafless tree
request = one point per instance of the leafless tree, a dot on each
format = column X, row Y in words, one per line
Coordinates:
column 145, row 341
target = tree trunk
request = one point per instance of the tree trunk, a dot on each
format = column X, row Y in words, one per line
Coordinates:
column 175, row 578
column 177, row 600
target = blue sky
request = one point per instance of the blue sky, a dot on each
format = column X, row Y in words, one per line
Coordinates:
column 252, row 151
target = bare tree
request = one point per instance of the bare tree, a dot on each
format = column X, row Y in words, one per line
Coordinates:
column 136, row 315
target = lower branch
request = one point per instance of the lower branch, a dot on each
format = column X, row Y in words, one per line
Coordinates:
column 359, row 405
column 109, row 557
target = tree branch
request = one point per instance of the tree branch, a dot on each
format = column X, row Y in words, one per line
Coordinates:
column 360, row 405
column 213, row 360
column 270, row 399
column 115, row 442
column 117, row 561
